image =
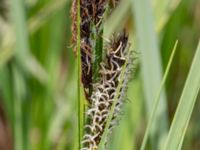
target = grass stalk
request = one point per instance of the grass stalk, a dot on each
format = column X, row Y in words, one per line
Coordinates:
column 80, row 102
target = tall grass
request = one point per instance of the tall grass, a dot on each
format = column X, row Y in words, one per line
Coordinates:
column 38, row 75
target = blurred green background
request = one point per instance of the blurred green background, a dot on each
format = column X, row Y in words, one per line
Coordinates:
column 38, row 72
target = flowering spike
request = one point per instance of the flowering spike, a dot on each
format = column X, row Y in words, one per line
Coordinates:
column 105, row 90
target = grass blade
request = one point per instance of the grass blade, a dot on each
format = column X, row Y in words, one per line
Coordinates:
column 18, row 117
column 157, row 99
column 163, row 11
column 19, row 21
column 185, row 106
column 22, row 50
column 44, row 14
column 80, row 102
column 150, row 65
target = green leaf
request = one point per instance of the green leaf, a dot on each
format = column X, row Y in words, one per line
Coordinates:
column 163, row 11
column 43, row 15
column 157, row 99
column 151, row 66
column 22, row 48
column 185, row 107
column 18, row 92
column 80, row 100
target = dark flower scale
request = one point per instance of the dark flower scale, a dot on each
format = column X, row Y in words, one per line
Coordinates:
column 91, row 12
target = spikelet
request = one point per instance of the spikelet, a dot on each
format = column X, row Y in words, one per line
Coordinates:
column 91, row 12
column 104, row 92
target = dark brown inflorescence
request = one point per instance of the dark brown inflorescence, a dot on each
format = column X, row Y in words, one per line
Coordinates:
column 104, row 92
column 91, row 21
column 101, row 92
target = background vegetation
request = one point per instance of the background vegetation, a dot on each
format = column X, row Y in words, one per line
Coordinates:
column 38, row 73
